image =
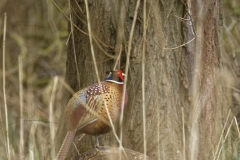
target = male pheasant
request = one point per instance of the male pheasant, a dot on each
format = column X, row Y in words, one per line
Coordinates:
column 89, row 109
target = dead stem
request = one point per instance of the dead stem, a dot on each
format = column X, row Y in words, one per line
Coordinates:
column 21, row 146
column 51, row 116
column 4, row 85
column 97, row 74
column 183, row 132
column 143, row 80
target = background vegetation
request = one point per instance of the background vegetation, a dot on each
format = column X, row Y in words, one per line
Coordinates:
column 37, row 37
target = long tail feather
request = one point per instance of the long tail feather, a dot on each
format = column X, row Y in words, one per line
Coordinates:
column 66, row 145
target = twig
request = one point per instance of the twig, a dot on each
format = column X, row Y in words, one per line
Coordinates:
column 128, row 58
column 237, row 126
column 67, row 17
column 225, row 138
column 118, row 58
column 221, row 135
column 183, row 132
column 94, row 39
column 90, row 39
column 4, row 84
column 158, row 132
column 184, row 44
column 51, row 116
column 21, row 147
column 120, row 32
column 97, row 74
column 143, row 80
column 54, row 29
column 74, row 50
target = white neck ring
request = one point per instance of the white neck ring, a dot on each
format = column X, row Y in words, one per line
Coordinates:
column 114, row 81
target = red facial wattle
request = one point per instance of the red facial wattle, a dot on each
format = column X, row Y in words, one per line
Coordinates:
column 120, row 74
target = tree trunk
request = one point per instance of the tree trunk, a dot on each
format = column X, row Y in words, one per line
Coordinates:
column 184, row 101
column 209, row 110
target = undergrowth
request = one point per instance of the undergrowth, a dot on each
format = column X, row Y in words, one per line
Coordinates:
column 36, row 39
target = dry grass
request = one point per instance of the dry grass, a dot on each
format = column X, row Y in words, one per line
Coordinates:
column 36, row 35
column 34, row 56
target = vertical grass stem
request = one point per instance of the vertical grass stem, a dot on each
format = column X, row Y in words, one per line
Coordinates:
column 4, row 85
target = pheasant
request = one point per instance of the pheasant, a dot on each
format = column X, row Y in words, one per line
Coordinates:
column 89, row 110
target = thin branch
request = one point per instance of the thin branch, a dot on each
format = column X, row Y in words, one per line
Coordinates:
column 67, row 17
column 220, row 138
column 4, row 84
column 183, row 133
column 21, row 145
column 90, row 40
column 143, row 80
column 94, row 38
column 74, row 49
column 237, row 126
column 128, row 58
column 96, row 70
column 51, row 116
column 128, row 55
column 120, row 32
column 225, row 138
column 118, row 58
column 184, row 44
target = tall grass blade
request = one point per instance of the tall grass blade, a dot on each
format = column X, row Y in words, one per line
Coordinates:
column 4, row 85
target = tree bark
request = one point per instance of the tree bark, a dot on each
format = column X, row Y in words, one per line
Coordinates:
column 175, row 52
column 209, row 110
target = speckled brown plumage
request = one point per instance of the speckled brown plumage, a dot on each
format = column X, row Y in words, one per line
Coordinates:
column 86, row 111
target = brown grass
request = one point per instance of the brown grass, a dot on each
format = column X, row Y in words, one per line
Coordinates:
column 34, row 55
